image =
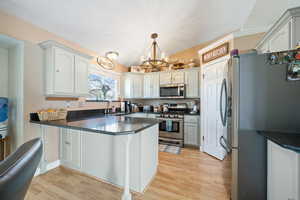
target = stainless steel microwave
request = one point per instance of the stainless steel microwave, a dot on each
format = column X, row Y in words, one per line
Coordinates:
column 172, row 91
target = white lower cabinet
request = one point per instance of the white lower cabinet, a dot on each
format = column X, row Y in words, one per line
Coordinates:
column 70, row 148
column 283, row 173
column 191, row 130
column 191, row 134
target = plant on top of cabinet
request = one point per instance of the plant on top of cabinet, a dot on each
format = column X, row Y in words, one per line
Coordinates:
column 65, row 70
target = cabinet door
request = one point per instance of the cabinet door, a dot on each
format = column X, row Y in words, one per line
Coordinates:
column 155, row 85
column 148, row 85
column 296, row 32
column 191, row 134
column 128, row 87
column 280, row 41
column 66, row 152
column 137, row 86
column 165, row 78
column 81, row 75
column 192, row 84
column 177, row 77
column 64, row 72
column 283, row 173
column 75, row 137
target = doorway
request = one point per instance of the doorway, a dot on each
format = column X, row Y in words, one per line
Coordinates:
column 11, row 86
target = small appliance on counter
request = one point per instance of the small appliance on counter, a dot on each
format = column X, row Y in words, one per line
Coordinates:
column 165, row 107
column 157, row 109
column 194, row 107
column 3, row 117
column 125, row 106
column 134, row 108
column 147, row 108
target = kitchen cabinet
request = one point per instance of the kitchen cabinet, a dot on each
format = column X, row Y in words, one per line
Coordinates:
column 192, row 84
column 280, row 41
column 151, row 85
column 81, row 75
column 133, row 85
column 165, row 78
column 147, row 85
column 283, row 173
column 65, row 70
column 174, row 77
column 191, row 130
column 177, row 77
column 284, row 34
column 70, row 145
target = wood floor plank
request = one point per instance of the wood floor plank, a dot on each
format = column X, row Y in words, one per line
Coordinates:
column 192, row 175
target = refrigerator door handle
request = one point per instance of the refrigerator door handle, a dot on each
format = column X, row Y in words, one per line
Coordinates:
column 225, row 144
column 223, row 90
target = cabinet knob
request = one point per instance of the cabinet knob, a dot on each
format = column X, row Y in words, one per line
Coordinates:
column 68, row 143
column 57, row 70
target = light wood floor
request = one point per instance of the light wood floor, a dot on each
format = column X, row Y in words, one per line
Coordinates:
column 188, row 176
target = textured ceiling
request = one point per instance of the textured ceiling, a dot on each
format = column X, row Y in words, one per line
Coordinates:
column 125, row 26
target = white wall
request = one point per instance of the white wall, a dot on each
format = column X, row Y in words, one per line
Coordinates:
column 3, row 72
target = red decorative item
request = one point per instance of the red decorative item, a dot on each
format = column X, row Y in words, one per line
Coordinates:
column 297, row 56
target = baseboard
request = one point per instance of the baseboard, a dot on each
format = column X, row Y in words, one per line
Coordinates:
column 53, row 165
column 201, row 148
column 49, row 166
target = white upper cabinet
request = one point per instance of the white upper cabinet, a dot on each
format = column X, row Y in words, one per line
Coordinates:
column 177, row 77
column 65, row 70
column 174, row 77
column 151, row 85
column 284, row 34
column 280, row 41
column 81, row 75
column 133, row 85
column 192, row 84
column 140, row 85
column 165, row 78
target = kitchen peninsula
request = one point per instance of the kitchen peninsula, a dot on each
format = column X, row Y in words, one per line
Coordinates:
column 120, row 150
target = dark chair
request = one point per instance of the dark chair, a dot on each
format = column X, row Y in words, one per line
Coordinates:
column 17, row 170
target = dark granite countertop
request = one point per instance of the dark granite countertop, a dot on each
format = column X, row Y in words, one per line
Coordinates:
column 287, row 140
column 105, row 124
column 185, row 113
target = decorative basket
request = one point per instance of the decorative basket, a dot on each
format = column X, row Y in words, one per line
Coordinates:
column 52, row 115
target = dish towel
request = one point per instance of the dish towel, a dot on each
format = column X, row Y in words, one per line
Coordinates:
column 169, row 125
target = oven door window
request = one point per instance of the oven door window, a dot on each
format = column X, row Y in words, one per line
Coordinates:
column 169, row 126
column 169, row 91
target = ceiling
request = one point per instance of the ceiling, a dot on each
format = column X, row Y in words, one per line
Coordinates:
column 125, row 26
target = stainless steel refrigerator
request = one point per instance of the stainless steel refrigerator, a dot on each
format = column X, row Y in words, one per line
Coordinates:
column 259, row 98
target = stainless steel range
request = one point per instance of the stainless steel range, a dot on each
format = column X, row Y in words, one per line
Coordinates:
column 171, row 129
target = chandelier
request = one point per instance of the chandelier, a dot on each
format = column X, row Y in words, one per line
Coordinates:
column 108, row 61
column 155, row 59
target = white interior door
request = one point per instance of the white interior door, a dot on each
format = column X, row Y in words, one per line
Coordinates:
column 212, row 127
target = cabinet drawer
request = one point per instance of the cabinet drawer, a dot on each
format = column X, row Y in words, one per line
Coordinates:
column 191, row 119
